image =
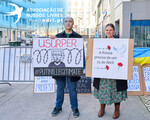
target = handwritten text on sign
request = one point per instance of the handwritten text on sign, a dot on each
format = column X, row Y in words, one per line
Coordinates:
column 53, row 54
column 110, row 58
column 43, row 84
column 147, row 78
column 83, row 85
column 134, row 84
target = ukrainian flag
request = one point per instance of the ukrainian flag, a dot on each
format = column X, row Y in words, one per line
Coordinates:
column 142, row 55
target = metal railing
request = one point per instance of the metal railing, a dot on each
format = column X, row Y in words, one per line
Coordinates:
column 12, row 67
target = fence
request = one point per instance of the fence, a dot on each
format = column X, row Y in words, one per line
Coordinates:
column 16, row 64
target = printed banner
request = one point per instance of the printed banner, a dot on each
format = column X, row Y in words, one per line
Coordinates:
column 58, row 57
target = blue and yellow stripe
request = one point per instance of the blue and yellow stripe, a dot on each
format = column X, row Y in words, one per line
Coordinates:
column 142, row 55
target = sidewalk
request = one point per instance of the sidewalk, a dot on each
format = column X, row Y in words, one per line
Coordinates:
column 17, row 102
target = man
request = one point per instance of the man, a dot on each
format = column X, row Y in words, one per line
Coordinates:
column 71, row 81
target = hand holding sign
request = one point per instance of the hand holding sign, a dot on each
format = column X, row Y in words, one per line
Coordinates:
column 52, row 37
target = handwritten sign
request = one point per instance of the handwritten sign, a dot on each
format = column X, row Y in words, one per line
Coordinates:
column 110, row 58
column 58, row 57
column 147, row 78
column 83, row 85
column 44, row 84
column 134, row 84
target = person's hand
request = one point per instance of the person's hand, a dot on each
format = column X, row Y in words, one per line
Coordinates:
column 52, row 37
column 86, row 58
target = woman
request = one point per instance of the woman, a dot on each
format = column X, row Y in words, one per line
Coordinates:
column 109, row 91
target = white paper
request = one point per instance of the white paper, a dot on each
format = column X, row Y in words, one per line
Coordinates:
column 110, row 58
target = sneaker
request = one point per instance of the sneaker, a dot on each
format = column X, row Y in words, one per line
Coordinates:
column 76, row 112
column 56, row 111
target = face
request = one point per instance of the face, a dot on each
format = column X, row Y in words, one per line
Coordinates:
column 57, row 56
column 109, row 31
column 68, row 23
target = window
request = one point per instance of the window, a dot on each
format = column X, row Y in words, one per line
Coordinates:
column 14, row 20
column 2, row 2
column 24, row 21
column 6, row 4
column 2, row 17
column 140, row 32
column 24, row 10
column 6, row 18
column 20, row 20
column 1, row 35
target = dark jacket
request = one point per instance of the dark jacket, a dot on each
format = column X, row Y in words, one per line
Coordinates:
column 121, row 84
column 72, row 35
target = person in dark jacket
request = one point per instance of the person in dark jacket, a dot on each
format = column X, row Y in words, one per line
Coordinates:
column 71, row 81
column 109, row 91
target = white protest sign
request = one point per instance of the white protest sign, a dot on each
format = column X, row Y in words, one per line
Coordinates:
column 44, row 84
column 134, row 84
column 147, row 78
column 58, row 57
column 110, row 59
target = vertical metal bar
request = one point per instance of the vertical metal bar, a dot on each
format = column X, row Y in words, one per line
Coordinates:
column 14, row 64
column 30, row 64
column 3, row 64
column 25, row 64
column 19, row 65
column 9, row 62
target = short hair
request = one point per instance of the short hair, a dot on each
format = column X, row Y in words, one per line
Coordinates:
column 111, row 25
column 68, row 17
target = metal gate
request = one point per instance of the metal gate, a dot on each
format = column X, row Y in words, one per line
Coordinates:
column 16, row 64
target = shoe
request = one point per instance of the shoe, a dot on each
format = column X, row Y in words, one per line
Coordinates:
column 76, row 112
column 102, row 110
column 56, row 111
column 116, row 112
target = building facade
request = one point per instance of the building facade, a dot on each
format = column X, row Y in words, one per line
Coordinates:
column 81, row 11
column 132, row 20
column 104, row 13
column 9, row 31
column 130, row 17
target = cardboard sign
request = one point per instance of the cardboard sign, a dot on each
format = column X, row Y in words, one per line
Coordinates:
column 146, row 85
column 83, row 85
column 135, row 86
column 44, row 84
column 58, row 57
column 110, row 58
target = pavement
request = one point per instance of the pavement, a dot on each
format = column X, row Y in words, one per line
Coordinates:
column 18, row 102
